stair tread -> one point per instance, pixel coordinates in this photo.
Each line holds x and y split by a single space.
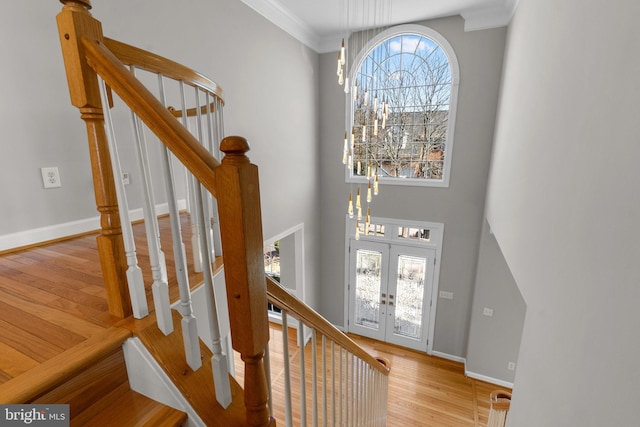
128 409
32 384
197 387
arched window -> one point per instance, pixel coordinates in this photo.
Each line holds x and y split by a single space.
403 103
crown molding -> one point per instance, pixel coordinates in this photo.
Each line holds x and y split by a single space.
287 21
483 19
272 10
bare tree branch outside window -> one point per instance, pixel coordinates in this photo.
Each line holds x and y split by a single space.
411 74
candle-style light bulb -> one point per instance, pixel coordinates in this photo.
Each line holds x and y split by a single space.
366 97
358 204
364 133
339 69
369 198
350 206
355 91
342 53
367 223
375 184
357 231
359 172
345 150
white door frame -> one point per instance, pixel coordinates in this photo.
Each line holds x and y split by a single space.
436 233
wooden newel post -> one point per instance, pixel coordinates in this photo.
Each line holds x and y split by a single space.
242 245
74 23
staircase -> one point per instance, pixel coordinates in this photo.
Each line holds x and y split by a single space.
341 385
92 378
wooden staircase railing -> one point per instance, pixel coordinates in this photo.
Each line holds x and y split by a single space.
348 386
96 65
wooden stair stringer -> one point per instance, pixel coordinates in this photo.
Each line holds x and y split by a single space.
196 386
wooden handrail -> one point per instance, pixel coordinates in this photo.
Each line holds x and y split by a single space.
191 112
157 118
131 55
284 300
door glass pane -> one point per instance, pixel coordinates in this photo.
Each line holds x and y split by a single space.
409 296
368 280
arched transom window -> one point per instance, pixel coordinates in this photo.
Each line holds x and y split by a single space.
403 108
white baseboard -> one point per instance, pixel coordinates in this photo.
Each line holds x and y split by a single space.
58 231
449 357
488 379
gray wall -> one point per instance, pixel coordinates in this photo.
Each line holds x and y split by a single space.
494 341
260 68
563 204
459 207
39 126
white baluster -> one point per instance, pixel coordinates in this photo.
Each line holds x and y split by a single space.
160 286
333 383
134 273
324 380
340 384
346 380
148 191
191 185
287 374
303 385
219 359
314 380
206 197
214 136
267 371
189 323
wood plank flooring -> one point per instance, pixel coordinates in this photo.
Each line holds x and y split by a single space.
423 390
52 298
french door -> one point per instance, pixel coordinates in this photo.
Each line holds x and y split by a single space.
390 288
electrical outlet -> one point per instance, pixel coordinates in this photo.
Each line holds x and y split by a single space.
446 295
488 312
126 178
50 177
511 366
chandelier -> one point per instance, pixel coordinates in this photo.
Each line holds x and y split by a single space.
360 21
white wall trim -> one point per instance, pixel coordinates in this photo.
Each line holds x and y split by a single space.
147 378
487 379
449 357
58 231
286 21
488 18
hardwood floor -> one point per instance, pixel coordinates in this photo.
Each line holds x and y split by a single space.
52 298
423 390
